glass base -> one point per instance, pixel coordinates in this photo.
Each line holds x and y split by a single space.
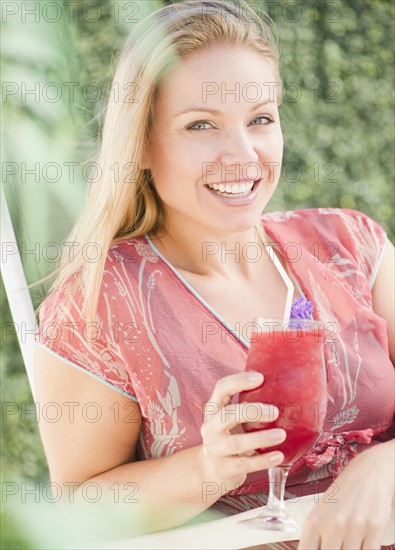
266 520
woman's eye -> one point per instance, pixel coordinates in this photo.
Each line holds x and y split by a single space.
200 125
262 120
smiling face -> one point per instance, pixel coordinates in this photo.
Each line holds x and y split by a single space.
216 144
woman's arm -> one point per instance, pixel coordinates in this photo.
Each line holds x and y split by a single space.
95 448
357 509
383 294
360 514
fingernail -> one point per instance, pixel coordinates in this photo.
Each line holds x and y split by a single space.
276 435
255 376
276 457
269 410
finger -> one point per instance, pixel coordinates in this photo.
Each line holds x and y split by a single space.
308 542
236 465
249 453
310 539
257 414
353 538
231 415
363 533
333 538
246 443
354 543
226 387
376 528
372 542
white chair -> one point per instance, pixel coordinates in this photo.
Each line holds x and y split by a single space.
19 299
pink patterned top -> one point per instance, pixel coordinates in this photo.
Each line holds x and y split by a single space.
158 342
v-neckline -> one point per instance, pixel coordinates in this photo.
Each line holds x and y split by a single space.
200 298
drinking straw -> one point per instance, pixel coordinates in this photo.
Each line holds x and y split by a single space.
284 275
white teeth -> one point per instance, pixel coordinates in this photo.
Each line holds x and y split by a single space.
234 189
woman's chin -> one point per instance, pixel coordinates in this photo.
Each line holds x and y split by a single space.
235 225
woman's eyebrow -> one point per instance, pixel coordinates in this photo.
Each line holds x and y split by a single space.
200 109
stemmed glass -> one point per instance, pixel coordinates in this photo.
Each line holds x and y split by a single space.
290 355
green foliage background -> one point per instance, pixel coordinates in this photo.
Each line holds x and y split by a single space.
337 118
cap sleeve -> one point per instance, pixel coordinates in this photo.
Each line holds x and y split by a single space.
368 239
99 354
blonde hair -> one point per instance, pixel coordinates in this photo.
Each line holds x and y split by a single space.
123 207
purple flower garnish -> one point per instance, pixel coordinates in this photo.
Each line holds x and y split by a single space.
301 309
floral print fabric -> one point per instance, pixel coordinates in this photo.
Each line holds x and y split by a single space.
158 342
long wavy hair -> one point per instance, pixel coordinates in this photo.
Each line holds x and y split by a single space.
123 203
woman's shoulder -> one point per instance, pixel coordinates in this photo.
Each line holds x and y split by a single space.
121 255
130 251
341 224
342 215
348 234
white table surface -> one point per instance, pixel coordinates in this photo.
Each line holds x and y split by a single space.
223 533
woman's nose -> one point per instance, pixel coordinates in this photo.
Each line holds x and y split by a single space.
238 150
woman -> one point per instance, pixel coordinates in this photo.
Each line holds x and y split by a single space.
190 158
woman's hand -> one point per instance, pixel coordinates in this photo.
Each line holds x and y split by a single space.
227 452
356 516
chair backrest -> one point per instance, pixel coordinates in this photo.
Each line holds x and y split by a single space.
19 298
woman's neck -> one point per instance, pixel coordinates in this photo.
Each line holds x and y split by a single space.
203 252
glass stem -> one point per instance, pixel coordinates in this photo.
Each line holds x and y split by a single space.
277 478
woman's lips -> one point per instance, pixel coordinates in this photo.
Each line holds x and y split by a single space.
239 199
